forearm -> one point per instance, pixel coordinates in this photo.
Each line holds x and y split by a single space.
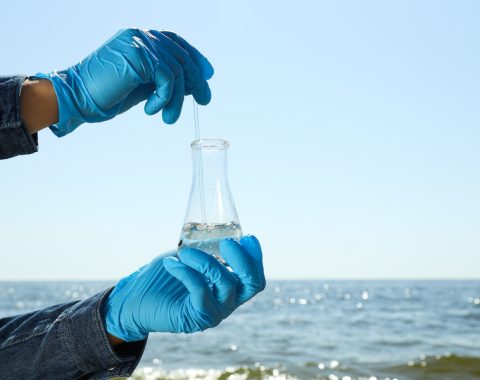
38 105
113 340
63 341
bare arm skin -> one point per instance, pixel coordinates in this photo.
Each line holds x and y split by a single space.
38 105
114 341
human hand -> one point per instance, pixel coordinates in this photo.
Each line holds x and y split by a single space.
173 294
132 66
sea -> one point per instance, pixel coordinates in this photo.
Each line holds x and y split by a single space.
332 330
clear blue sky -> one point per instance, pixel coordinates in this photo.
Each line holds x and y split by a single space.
354 131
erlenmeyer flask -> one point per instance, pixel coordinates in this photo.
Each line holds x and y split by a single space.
211 214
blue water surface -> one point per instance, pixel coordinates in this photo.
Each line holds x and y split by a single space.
311 330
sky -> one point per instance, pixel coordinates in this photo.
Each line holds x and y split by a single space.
353 128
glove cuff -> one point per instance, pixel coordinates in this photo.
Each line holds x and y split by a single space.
114 325
65 84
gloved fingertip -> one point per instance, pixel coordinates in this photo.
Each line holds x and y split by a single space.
154 104
175 268
149 110
204 65
252 246
207 70
185 254
170 258
231 251
249 239
228 243
203 95
170 116
171 262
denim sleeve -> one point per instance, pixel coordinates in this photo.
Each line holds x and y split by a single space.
66 341
14 137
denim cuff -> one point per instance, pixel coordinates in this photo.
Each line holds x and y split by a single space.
85 339
14 137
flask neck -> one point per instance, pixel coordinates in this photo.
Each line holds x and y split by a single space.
209 167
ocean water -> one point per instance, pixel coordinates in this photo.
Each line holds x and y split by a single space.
335 330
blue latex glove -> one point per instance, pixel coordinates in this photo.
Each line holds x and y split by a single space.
172 293
134 65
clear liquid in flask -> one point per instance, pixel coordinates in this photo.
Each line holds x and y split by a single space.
207 237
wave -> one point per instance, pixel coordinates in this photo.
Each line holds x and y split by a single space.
257 372
451 367
447 367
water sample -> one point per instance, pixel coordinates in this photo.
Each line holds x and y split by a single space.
207 237
211 214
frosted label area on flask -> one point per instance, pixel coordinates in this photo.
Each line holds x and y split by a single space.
207 237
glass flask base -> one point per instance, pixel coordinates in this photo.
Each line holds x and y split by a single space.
207 237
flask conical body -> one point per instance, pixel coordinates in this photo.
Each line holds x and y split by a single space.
211 214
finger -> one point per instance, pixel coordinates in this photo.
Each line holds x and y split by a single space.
224 283
248 270
164 79
202 94
200 294
195 83
252 246
200 60
173 109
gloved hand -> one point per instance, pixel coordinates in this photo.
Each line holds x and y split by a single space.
173 294
132 66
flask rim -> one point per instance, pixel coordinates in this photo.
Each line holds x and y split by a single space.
214 143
